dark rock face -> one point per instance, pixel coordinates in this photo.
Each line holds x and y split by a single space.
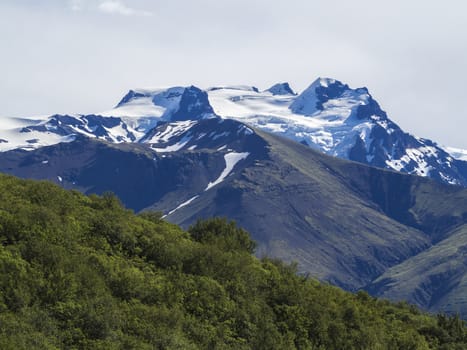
358 151
372 108
281 89
99 121
194 104
332 90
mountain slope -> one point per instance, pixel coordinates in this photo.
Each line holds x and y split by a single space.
290 202
342 222
434 280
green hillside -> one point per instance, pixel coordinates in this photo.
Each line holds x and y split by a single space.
81 272
434 279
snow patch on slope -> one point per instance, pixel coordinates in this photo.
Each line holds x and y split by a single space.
184 204
231 159
172 148
171 130
160 141
416 156
13 139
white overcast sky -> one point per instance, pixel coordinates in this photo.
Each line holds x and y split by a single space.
81 56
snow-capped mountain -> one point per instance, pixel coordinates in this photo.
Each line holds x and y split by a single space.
342 122
328 116
137 114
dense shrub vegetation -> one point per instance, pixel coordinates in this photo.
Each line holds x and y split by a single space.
81 272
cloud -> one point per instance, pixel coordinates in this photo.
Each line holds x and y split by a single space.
117 7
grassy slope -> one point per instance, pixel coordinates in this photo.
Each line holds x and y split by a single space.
82 272
435 279
414 201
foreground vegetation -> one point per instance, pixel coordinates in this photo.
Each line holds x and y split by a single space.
81 272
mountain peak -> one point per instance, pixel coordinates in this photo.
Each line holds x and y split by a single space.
325 82
193 105
322 90
131 94
281 89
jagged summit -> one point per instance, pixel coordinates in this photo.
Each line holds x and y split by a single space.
175 103
193 105
281 89
313 98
